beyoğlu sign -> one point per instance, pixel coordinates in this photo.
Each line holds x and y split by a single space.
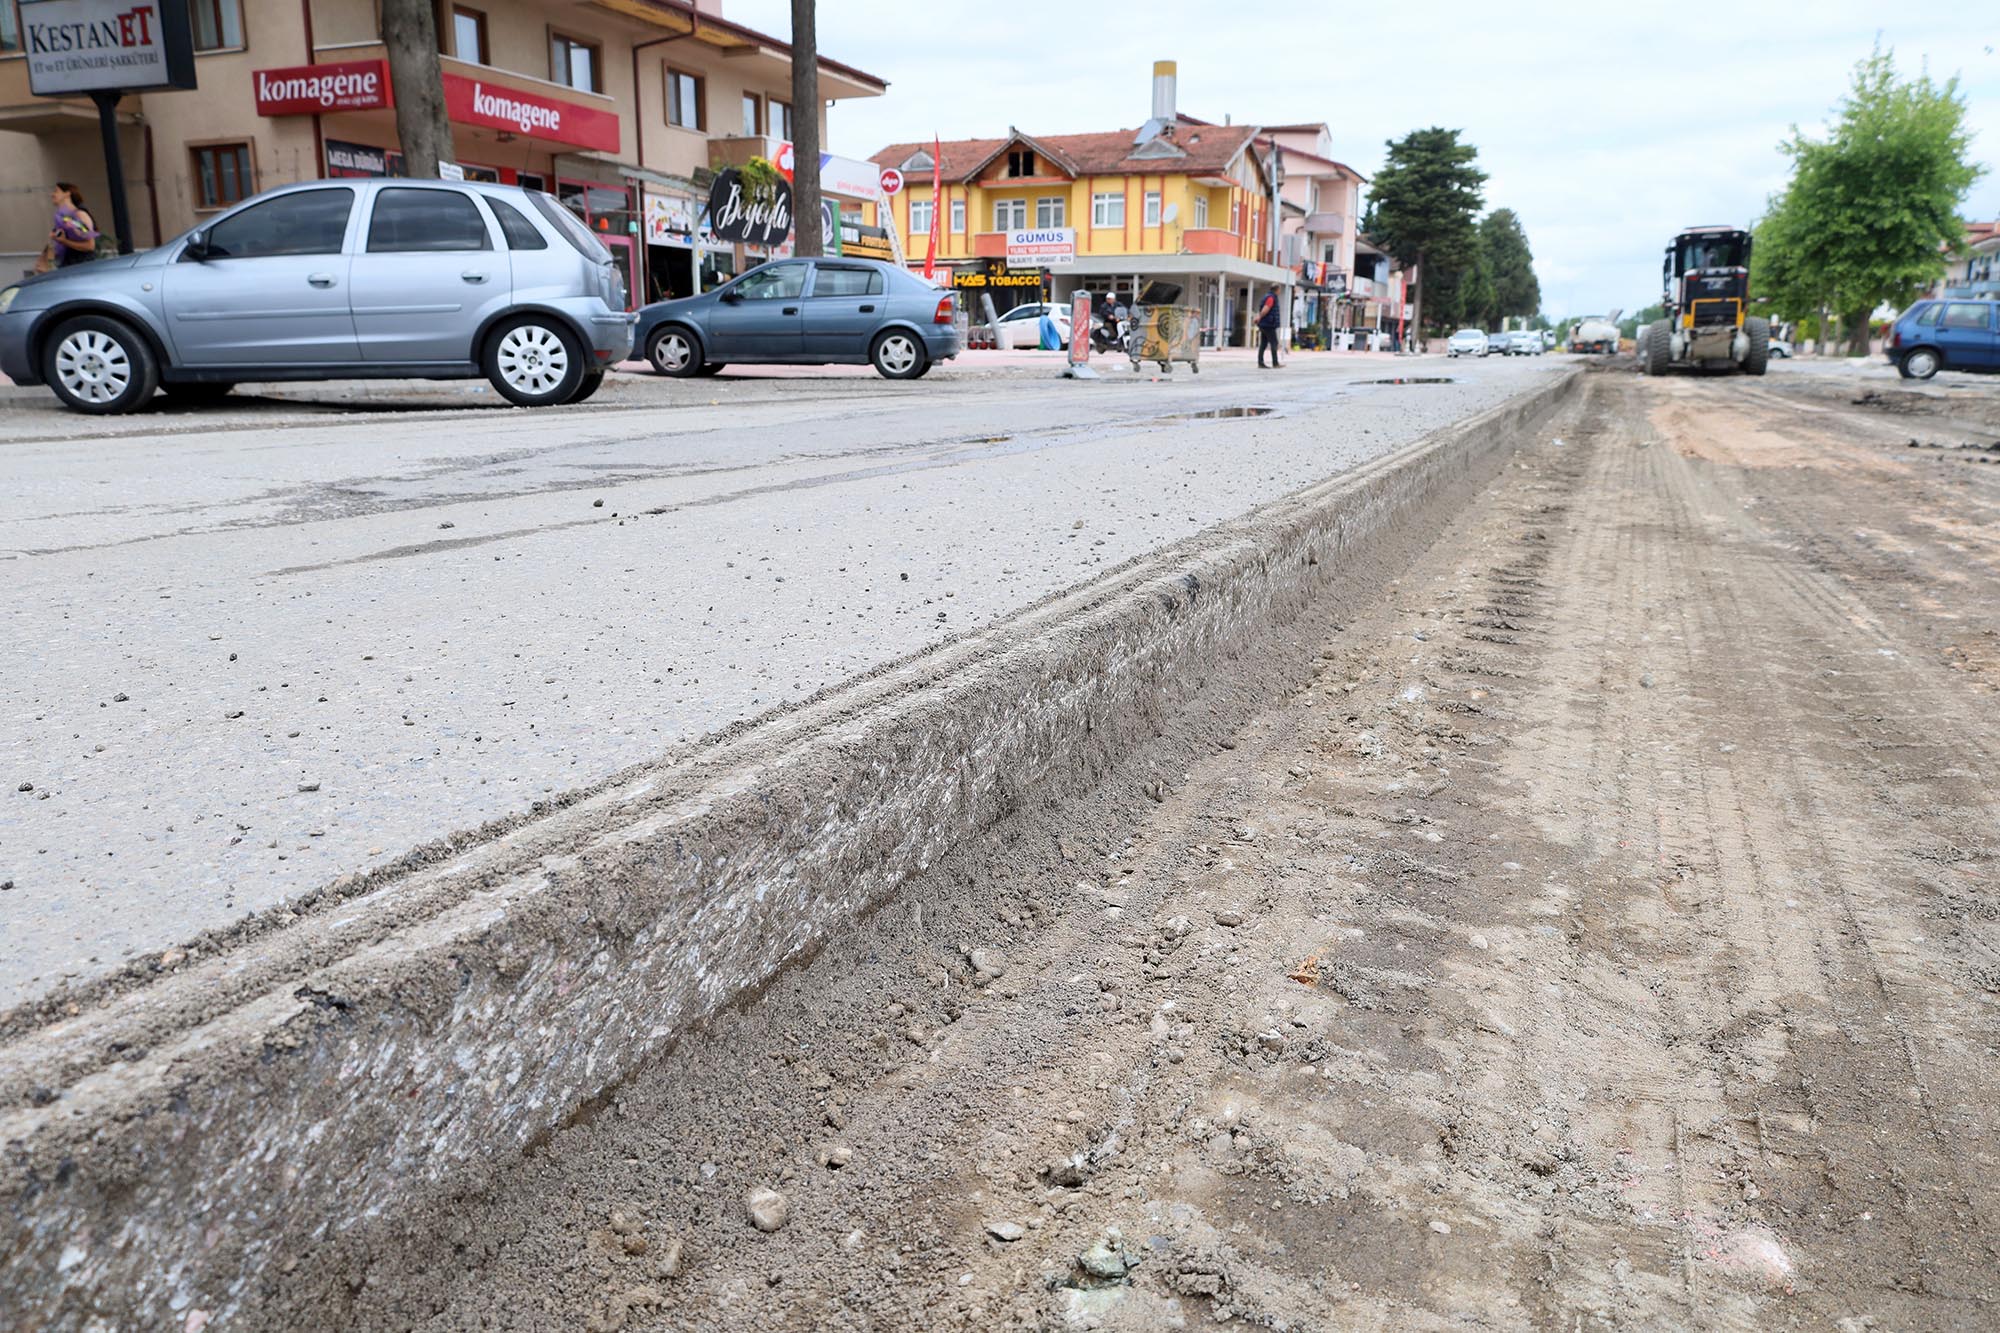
493 107
357 85
83 46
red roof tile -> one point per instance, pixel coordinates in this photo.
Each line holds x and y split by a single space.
1208 148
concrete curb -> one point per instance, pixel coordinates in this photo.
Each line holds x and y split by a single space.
162 1147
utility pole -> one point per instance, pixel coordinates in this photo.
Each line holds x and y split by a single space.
409 34
805 130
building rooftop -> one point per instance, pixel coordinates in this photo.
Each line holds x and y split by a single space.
1202 148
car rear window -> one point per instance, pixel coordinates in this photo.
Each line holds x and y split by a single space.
514 225
1929 314
409 219
840 281
571 227
1967 315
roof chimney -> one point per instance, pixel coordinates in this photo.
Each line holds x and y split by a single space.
1164 115
1164 72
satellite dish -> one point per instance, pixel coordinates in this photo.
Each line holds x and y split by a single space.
1173 212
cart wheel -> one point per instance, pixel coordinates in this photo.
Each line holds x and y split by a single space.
1194 367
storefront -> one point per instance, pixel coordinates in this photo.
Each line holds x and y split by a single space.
1008 287
501 133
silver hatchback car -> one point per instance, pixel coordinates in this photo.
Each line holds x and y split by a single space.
396 279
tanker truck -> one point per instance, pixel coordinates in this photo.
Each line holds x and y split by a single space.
1597 334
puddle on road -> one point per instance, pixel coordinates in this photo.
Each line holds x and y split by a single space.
1216 414
1413 379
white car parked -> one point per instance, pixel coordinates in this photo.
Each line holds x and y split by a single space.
1466 342
1022 326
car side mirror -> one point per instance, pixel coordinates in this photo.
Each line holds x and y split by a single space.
731 298
197 247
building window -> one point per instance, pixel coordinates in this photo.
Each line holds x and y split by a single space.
686 96
468 35
217 24
1051 211
1201 210
920 217
1010 214
1020 162
781 119
1107 210
528 180
958 216
753 116
574 63
1152 208
222 174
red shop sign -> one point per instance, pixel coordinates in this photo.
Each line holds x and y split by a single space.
357 85
493 107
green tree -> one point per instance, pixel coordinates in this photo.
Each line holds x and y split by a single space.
1631 324
1421 209
1510 266
1871 210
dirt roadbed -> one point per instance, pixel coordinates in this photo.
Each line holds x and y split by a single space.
1606 936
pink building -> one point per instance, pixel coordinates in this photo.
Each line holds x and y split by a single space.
1345 283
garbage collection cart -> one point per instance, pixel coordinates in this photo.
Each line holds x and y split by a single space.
1164 330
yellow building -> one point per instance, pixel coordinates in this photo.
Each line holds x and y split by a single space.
1178 200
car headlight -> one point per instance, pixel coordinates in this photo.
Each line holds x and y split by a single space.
7 297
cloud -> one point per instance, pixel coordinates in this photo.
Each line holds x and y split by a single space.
1605 127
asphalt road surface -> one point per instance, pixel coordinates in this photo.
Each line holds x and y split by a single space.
251 649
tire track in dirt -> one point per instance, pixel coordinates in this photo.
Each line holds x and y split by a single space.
1596 941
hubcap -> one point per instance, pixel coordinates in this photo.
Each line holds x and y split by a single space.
672 352
1923 363
898 354
93 366
532 359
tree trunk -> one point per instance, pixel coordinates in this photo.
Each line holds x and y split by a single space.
1857 333
409 33
1416 332
806 110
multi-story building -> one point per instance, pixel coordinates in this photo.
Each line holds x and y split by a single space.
1974 265
1179 200
1322 198
613 105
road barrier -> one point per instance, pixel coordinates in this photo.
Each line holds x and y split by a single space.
166 1143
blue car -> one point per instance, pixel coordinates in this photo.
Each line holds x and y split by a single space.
826 311
1946 335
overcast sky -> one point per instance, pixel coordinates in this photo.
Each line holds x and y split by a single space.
1606 126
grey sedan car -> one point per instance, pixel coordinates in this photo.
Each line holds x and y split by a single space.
806 312
333 280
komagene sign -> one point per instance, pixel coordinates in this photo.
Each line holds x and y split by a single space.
495 107
357 85
85 46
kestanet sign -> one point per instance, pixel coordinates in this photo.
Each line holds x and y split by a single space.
87 46
356 85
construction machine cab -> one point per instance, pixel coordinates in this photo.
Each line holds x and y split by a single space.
1708 324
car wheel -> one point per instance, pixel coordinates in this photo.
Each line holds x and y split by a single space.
534 361
1922 364
100 365
899 355
196 391
589 385
674 351
711 368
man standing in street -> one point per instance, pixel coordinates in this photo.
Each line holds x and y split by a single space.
1267 328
